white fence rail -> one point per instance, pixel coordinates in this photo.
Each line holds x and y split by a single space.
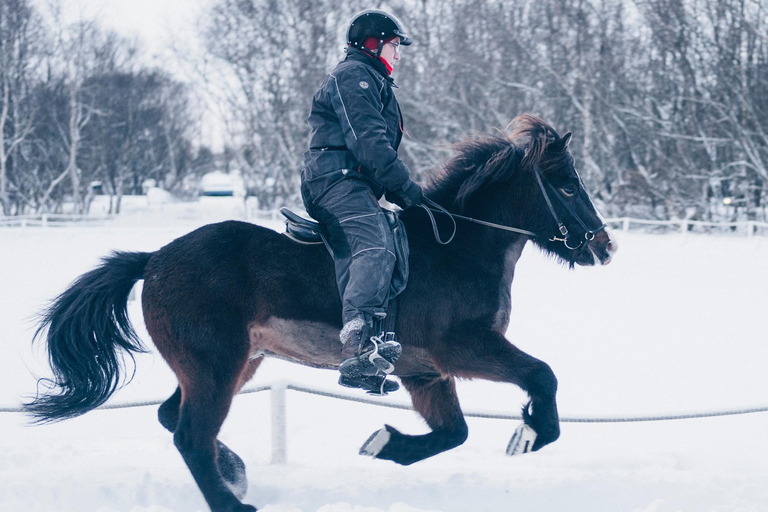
51 220
748 228
279 419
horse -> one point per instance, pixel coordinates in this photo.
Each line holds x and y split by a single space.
220 299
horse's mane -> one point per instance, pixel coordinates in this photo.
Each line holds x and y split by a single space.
494 158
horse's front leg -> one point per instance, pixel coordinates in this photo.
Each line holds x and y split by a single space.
474 352
434 397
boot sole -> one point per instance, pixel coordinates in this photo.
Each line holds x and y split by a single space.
390 386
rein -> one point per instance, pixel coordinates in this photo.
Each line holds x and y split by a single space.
430 206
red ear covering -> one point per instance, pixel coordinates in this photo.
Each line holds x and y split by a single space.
372 44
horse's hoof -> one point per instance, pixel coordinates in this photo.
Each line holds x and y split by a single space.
378 440
522 440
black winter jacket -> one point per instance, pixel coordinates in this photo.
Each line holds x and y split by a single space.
356 127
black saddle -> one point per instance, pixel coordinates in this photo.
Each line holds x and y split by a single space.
304 231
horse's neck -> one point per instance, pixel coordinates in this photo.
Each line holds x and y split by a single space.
482 242
491 248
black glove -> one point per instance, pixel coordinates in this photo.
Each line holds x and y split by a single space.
410 197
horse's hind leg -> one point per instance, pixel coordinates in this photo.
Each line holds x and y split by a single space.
195 412
168 413
435 399
231 466
489 355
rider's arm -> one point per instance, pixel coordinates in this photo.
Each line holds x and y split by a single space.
359 108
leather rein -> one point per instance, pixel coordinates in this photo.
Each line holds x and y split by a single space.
430 206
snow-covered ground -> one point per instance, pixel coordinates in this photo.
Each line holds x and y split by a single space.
675 324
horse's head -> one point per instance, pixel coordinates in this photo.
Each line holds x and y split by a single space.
563 216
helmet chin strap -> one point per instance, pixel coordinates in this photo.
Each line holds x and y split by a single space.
371 52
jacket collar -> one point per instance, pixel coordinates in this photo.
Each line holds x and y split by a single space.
360 56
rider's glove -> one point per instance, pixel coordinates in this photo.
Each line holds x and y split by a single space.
410 197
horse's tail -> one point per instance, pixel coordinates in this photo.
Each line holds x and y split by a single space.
88 335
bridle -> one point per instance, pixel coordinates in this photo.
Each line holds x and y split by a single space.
589 234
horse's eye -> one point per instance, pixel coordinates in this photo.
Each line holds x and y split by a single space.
568 190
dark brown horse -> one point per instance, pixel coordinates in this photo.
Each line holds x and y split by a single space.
218 300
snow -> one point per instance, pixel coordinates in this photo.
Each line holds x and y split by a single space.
675 324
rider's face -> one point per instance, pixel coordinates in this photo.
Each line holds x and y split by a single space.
391 51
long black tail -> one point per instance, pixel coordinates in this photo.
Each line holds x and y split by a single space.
88 335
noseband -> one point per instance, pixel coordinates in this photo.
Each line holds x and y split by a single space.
429 206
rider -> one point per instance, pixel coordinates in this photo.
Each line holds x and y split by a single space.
352 162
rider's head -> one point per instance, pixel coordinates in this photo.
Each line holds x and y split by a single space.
377 33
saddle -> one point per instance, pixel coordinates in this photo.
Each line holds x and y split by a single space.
303 231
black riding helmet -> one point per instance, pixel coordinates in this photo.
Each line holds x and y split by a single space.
375 23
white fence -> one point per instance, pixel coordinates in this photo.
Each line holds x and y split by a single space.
52 219
278 391
278 406
748 228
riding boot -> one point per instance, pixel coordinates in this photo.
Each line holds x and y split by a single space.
363 360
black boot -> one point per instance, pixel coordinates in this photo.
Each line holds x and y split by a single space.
364 359
374 357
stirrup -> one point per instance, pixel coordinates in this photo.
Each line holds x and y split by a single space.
377 385
377 359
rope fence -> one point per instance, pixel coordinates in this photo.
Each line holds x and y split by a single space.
467 413
279 441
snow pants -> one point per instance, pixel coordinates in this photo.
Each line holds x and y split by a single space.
361 241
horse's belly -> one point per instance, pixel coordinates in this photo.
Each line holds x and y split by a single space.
311 343
317 345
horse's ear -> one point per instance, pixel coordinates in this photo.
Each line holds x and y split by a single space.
560 144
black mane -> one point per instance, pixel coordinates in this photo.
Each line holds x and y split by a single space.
494 159
477 163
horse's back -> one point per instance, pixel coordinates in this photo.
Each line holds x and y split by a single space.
236 277
229 261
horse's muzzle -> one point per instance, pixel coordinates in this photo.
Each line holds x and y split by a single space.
603 247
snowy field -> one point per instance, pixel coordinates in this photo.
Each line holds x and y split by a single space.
675 324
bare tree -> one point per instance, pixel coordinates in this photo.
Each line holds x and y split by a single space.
20 33
266 61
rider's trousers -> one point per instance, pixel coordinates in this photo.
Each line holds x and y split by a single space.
362 244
